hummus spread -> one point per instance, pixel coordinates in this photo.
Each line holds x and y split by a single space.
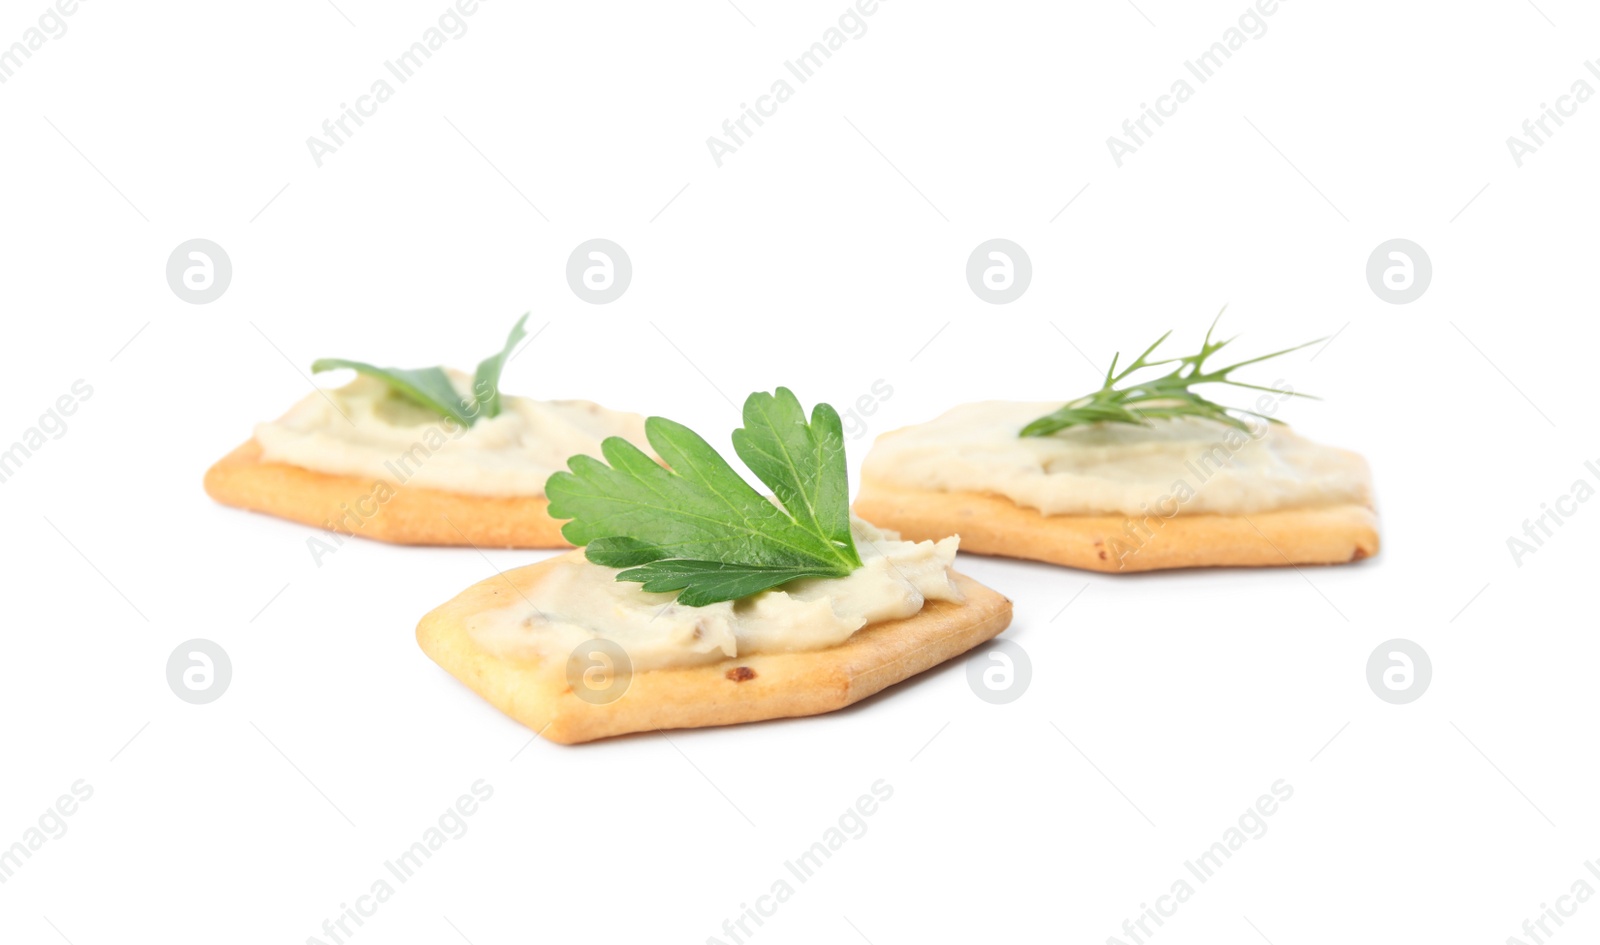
366 431
575 602
1118 469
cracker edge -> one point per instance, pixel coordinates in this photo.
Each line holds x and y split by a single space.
994 525
412 516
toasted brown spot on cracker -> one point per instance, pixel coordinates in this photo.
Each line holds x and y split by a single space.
740 673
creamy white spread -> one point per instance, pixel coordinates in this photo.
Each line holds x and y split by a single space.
575 602
1110 469
366 431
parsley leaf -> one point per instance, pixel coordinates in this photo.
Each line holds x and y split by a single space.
431 387
698 527
486 382
428 387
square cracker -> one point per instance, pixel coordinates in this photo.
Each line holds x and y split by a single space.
410 515
994 525
742 689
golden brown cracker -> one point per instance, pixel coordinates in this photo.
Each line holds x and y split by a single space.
743 689
994 525
379 509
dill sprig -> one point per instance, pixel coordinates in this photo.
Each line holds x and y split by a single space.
1167 396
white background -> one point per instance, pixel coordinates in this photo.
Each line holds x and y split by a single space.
809 260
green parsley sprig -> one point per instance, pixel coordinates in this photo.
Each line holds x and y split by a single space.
695 526
431 388
1167 396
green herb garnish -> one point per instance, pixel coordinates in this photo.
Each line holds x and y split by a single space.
486 380
698 527
431 387
1163 397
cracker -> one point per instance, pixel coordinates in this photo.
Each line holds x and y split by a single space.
408 515
994 525
742 689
